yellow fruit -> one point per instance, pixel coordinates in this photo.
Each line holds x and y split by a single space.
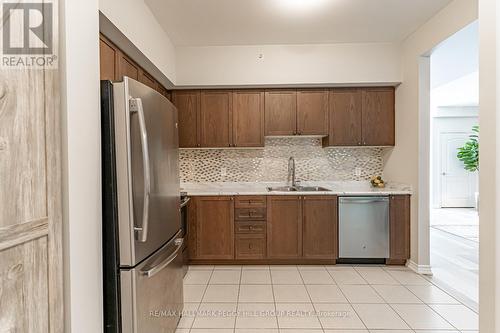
381 185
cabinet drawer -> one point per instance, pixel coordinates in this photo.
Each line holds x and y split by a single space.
250 246
250 201
249 214
250 227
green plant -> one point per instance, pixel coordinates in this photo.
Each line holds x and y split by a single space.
469 153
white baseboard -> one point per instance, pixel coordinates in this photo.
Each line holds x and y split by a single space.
420 269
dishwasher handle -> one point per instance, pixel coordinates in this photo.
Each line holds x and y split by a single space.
363 200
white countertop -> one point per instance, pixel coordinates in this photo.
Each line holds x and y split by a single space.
336 188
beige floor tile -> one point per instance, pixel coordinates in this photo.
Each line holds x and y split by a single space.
256 315
297 316
339 267
439 331
227 267
221 294
432 295
350 331
225 277
311 268
188 315
283 267
193 293
201 267
211 330
361 294
347 276
215 315
290 294
338 316
325 294
256 293
182 330
254 267
256 330
409 278
421 316
291 330
391 331
316 277
379 316
396 294
459 316
286 277
376 275
197 277
255 277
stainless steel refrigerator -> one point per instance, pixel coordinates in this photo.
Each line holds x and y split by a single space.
142 238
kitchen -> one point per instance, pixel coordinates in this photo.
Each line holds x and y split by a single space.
244 167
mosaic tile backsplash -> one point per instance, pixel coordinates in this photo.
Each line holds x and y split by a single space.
269 164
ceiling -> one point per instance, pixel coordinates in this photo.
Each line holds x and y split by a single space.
254 22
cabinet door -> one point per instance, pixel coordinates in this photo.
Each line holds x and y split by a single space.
108 58
378 117
320 227
126 67
188 107
312 112
281 112
399 228
147 79
284 227
248 118
162 90
345 117
214 228
215 119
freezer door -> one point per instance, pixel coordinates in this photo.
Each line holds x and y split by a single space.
151 293
364 227
147 170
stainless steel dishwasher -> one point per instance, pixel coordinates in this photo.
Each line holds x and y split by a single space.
363 228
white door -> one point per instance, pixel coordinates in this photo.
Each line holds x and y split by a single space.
457 184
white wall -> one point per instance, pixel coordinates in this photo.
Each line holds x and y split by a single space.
456 57
402 163
135 20
489 178
81 160
288 64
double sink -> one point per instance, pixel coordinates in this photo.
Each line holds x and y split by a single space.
298 188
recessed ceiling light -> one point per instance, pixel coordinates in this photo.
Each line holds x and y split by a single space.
300 5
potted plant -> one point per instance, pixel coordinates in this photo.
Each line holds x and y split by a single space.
469 155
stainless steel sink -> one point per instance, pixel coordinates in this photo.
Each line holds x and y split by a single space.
297 189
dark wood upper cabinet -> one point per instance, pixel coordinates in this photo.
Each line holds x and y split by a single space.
399 229
284 227
378 117
214 227
248 118
108 57
312 112
126 67
319 227
345 117
216 118
281 112
188 108
147 79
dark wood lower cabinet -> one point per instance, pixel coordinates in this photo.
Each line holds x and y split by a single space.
214 227
399 229
284 227
320 227
280 229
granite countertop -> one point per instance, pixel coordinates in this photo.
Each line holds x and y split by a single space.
335 187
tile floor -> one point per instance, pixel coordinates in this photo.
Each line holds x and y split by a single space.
314 299
455 252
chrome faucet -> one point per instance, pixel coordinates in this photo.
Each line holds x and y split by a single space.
291 171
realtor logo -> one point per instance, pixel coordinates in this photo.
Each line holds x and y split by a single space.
28 34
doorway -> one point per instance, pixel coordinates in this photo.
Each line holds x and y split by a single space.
454 221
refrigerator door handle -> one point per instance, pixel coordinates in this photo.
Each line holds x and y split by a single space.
135 105
151 271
